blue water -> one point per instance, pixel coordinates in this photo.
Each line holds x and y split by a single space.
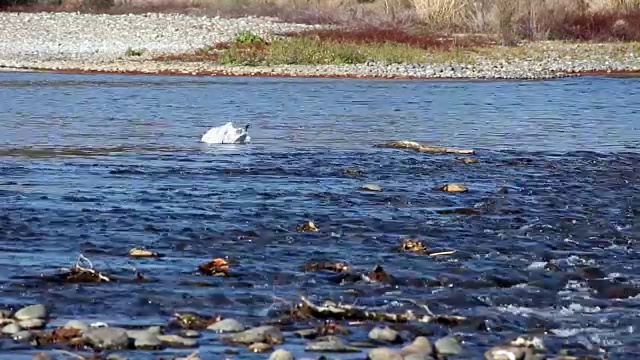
97 164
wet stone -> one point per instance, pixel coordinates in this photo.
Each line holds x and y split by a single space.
420 346
106 338
453 188
177 341
75 324
260 347
11 329
5 313
267 334
330 344
227 325
281 354
145 340
384 334
505 352
448 345
307 333
37 311
371 187
32 324
383 353
116 357
467 160
190 333
23 335
42 356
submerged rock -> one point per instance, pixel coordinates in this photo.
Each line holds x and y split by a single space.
506 352
281 354
32 324
145 339
42 356
267 334
11 329
330 344
371 187
23 335
75 324
384 334
448 345
260 347
453 188
106 338
140 253
226 325
190 333
178 341
467 160
383 353
307 227
420 346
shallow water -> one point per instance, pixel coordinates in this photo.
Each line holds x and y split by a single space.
99 164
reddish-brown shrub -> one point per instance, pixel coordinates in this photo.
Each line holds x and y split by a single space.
369 35
599 26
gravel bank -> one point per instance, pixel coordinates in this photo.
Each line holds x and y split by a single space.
85 42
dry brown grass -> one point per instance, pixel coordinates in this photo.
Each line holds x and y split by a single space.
510 20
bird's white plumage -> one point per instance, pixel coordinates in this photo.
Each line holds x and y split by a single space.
226 134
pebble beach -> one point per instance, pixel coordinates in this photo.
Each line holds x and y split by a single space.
99 43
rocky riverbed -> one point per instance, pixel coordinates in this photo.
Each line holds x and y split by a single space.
87 42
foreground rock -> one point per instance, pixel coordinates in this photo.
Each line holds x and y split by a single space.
330 344
281 354
384 334
106 338
265 334
420 348
37 311
226 325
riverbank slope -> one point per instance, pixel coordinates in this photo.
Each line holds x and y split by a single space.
204 45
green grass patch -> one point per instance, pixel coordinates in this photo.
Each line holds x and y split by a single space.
335 47
134 52
307 51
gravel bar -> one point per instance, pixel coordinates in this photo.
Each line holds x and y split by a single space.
77 42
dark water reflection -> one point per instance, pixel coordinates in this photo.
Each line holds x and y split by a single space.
100 164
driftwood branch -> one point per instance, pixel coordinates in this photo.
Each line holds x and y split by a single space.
414 145
86 273
331 310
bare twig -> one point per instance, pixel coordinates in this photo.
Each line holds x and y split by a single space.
448 252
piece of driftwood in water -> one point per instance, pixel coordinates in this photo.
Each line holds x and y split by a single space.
414 145
439 319
80 274
331 310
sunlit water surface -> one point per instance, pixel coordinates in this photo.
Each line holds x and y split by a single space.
100 164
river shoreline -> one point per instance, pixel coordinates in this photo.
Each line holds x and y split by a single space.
86 43
253 73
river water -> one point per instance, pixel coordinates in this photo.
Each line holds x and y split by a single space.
97 164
